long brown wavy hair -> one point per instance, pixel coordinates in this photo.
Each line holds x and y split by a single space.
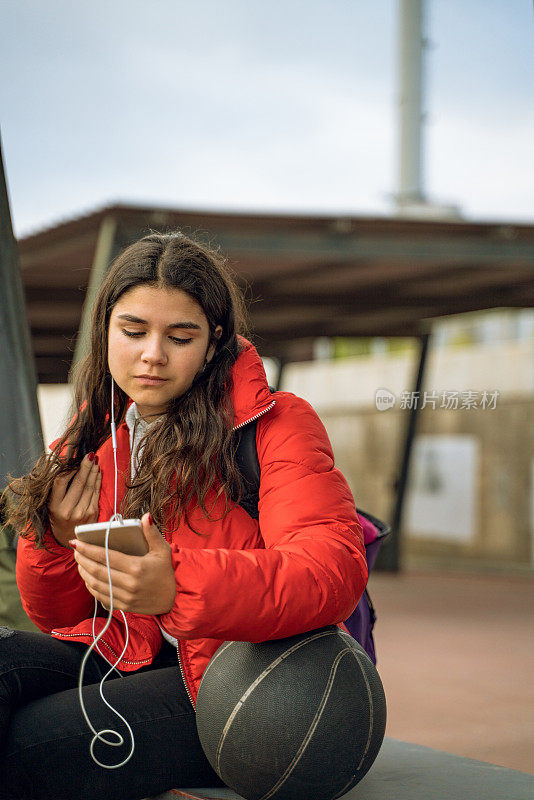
190 449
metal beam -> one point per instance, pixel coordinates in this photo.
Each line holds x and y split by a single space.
104 253
389 557
434 298
21 438
436 247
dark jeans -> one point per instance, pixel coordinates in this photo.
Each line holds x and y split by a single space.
45 739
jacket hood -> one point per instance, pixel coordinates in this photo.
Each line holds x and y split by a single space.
251 395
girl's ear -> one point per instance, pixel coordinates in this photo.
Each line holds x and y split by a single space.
211 350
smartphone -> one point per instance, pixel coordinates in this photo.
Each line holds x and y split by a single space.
126 536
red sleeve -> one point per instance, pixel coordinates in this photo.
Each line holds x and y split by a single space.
312 571
52 592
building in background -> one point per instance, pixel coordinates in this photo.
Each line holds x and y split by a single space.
345 308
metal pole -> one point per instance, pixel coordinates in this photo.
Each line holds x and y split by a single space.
282 361
21 437
410 67
389 557
104 253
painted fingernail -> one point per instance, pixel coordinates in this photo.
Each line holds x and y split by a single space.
90 456
96 459
73 543
150 520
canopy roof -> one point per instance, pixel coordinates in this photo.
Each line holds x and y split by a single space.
308 276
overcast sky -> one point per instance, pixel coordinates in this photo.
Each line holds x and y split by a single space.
285 105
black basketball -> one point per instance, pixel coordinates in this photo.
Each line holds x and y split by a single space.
302 717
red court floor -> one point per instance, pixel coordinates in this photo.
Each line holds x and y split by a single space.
456 657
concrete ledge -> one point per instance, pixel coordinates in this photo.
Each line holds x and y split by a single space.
404 771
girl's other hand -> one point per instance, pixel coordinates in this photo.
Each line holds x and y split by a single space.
77 503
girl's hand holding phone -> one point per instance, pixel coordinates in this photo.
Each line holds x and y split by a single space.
141 584
75 503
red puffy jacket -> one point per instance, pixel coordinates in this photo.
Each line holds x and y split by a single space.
300 566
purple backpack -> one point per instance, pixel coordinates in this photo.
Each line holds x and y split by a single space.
361 622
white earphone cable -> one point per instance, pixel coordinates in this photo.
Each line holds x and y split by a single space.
99 734
114 443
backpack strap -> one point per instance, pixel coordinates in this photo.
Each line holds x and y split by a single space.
246 456
247 461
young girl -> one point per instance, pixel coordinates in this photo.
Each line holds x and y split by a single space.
166 328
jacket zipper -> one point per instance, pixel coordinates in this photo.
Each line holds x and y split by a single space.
256 416
101 641
183 674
